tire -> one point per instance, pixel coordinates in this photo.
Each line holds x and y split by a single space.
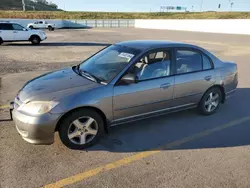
35 40
210 101
1 41
50 28
31 27
88 135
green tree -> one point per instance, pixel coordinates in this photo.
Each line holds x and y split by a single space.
42 2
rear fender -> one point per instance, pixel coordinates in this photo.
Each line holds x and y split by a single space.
229 76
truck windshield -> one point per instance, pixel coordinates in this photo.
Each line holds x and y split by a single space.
106 64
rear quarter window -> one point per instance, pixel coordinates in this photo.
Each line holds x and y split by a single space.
207 64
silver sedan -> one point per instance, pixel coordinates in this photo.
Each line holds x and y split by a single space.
124 82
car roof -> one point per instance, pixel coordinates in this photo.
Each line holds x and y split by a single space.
148 44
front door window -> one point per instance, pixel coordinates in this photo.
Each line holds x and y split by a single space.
153 65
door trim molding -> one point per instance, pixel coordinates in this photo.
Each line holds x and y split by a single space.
134 106
151 114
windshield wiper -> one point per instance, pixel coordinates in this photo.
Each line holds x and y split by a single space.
84 73
87 74
76 69
93 77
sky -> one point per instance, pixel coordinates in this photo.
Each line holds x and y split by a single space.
150 5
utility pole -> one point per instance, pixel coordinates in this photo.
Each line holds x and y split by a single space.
23 3
201 5
231 4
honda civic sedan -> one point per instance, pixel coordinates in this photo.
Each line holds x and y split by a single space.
122 83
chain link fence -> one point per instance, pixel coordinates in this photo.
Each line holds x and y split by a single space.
114 23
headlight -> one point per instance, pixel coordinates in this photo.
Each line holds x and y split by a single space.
37 107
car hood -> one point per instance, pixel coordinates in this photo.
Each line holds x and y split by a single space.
52 82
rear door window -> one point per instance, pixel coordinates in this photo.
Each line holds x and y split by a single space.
188 61
6 27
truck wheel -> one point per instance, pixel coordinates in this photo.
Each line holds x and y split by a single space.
35 40
51 28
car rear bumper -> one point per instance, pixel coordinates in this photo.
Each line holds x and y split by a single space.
36 129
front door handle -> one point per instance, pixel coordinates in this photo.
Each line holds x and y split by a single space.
208 78
165 86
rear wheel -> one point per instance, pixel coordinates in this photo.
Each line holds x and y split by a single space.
210 102
1 41
35 40
81 129
50 28
31 27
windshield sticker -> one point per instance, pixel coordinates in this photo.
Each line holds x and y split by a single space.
126 55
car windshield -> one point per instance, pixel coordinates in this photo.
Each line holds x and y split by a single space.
106 64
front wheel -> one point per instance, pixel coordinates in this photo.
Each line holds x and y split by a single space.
35 40
81 129
210 102
1 41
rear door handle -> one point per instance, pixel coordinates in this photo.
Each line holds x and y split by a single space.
14 31
208 78
165 86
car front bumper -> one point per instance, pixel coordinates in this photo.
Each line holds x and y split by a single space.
36 129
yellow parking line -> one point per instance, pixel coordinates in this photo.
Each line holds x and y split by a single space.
141 155
4 106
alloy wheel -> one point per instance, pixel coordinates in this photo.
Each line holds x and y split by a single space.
83 130
212 101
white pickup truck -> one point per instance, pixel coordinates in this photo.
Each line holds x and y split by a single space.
12 32
41 24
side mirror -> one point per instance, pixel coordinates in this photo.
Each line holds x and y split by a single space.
128 79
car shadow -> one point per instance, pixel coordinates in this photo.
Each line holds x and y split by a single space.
186 130
59 44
